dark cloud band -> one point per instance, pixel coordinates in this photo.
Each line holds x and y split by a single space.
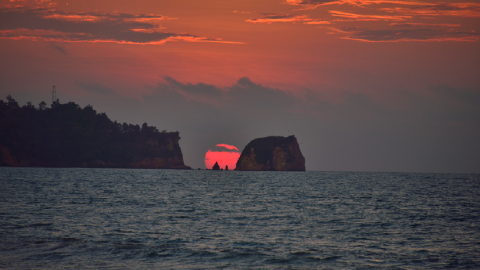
49 24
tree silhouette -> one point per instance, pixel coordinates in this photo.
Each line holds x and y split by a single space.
65 135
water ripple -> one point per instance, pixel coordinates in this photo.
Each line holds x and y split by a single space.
137 219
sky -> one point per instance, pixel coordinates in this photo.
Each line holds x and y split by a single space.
364 85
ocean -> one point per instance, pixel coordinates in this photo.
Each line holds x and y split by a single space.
167 219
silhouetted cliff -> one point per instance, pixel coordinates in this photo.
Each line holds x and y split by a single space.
273 153
66 135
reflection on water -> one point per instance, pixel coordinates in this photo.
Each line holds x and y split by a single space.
116 218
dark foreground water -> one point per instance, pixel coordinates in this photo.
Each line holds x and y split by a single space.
124 219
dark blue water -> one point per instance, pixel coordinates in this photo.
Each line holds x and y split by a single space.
115 218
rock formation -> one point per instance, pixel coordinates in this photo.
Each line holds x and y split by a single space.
216 167
273 153
161 151
66 135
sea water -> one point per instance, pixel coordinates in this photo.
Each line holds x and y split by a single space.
168 219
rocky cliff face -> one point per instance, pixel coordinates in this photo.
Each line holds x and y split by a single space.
157 151
273 153
161 153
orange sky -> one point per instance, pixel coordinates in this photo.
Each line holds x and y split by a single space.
100 51
286 44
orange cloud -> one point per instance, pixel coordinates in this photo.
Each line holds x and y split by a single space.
75 17
230 147
152 30
270 17
407 12
425 24
409 34
31 3
361 17
313 4
51 25
407 7
317 22
49 35
439 39
37 34
194 39
467 10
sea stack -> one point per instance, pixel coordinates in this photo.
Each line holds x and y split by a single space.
216 167
274 153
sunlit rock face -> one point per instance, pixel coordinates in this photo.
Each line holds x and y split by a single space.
274 153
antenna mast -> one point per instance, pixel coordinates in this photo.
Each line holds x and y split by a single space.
54 94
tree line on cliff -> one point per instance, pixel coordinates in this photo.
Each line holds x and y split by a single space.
66 135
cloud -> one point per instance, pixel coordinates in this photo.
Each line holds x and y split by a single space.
317 22
199 92
312 4
409 7
59 48
361 17
432 130
462 98
228 147
425 24
244 92
39 23
408 19
408 34
466 10
272 17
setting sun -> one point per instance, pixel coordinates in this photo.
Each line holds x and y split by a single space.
224 154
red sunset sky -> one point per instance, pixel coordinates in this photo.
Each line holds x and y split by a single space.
363 84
